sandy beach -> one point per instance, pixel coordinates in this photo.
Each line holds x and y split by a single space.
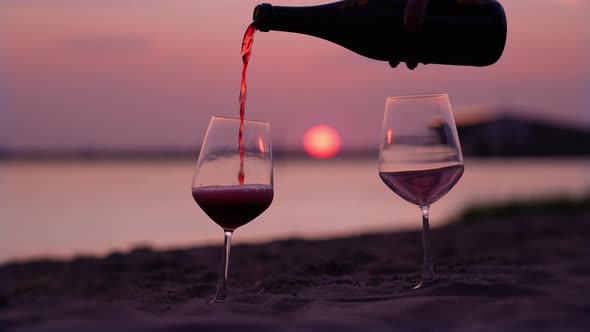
527 273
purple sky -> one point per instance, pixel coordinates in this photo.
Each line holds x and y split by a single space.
150 73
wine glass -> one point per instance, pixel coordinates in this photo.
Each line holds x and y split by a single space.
231 184
420 157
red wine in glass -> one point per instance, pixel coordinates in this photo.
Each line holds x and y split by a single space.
247 43
423 187
233 206
229 201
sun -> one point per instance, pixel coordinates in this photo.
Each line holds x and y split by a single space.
321 141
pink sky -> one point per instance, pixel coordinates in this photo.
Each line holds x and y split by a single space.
150 73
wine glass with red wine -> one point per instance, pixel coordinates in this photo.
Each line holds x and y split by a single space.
233 181
420 157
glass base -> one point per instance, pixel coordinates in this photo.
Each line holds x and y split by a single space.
221 294
425 283
218 300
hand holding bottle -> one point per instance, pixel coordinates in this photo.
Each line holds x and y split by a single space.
413 17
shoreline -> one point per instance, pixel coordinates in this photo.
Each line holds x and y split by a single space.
552 205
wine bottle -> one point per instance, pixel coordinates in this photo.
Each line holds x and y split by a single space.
454 32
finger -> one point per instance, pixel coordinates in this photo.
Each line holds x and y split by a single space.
411 64
414 14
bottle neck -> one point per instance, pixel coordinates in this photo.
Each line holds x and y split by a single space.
296 19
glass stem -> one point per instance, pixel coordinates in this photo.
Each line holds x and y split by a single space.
428 268
221 295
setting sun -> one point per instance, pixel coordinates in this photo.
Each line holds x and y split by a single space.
321 142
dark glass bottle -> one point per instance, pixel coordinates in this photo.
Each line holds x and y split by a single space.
454 32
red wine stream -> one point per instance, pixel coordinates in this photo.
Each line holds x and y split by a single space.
246 52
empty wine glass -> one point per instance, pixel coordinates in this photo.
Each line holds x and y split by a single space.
233 186
420 157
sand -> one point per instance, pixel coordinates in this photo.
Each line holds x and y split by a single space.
513 274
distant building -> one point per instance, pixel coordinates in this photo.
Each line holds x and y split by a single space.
511 135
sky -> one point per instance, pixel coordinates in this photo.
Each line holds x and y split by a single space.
149 74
